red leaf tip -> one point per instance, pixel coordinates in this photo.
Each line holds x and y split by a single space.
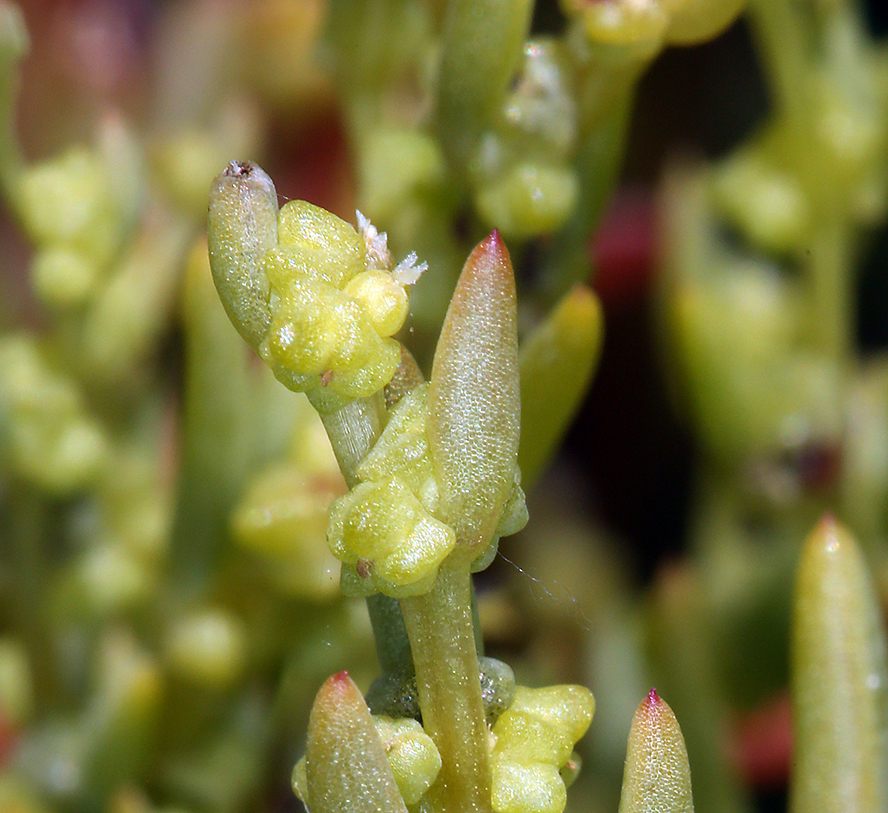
493 244
653 698
341 678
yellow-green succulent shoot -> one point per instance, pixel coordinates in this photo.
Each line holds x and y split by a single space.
389 525
50 437
318 299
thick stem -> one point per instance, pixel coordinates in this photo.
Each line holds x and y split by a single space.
392 642
442 638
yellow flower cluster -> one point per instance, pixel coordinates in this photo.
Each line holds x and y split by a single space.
318 299
333 310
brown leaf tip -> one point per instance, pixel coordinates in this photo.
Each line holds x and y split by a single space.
240 169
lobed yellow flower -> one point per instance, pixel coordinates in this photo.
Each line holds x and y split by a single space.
534 740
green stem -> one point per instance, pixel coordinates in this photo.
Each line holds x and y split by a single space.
442 638
353 430
480 50
831 295
390 635
780 31
598 165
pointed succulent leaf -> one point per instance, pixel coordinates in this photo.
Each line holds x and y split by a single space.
243 225
838 680
557 363
474 399
345 762
657 777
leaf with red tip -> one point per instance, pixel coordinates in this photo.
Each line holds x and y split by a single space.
657 778
346 766
474 397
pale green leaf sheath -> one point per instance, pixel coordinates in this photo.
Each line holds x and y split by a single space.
838 680
657 778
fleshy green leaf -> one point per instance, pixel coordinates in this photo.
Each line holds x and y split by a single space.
474 399
839 680
557 362
657 778
242 225
346 766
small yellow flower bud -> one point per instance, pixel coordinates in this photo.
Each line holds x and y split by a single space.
529 200
328 247
383 299
520 788
622 23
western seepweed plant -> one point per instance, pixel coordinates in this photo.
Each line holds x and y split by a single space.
135 674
